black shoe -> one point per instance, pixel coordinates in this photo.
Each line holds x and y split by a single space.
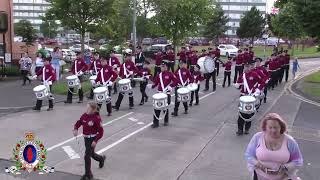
116 108
174 113
265 100
146 99
141 103
154 126
223 86
186 112
190 104
87 177
196 104
35 109
239 133
166 124
206 90
80 101
89 97
67 102
101 163
115 92
49 109
109 114
246 132
130 107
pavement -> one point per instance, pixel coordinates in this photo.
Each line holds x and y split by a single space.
200 145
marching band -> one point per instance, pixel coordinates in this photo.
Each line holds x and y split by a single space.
251 77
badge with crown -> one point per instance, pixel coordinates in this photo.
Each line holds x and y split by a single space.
29 155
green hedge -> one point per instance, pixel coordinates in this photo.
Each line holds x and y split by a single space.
10 71
62 89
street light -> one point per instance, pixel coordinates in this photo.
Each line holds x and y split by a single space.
265 36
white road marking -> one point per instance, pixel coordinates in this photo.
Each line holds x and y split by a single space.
133 119
140 123
80 135
70 152
123 139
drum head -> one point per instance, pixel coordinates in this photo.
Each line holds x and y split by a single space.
100 90
93 77
247 99
124 81
193 87
159 96
71 77
183 91
209 65
39 88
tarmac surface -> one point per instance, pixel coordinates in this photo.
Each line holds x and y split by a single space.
201 145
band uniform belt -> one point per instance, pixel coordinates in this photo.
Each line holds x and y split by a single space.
89 136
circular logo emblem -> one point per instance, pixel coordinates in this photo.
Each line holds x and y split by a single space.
100 97
30 154
39 95
125 88
185 97
248 107
159 104
70 83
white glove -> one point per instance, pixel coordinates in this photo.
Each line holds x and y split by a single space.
114 66
149 86
93 82
49 83
130 72
257 92
34 77
109 83
169 88
91 71
80 73
236 85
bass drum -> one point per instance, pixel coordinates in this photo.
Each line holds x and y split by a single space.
206 64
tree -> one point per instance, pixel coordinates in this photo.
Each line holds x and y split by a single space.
216 25
81 15
286 24
177 18
251 24
24 29
49 26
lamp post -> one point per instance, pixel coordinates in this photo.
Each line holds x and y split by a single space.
134 25
265 37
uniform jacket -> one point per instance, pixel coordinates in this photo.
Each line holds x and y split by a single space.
239 60
114 61
168 79
158 57
49 73
197 77
217 52
170 56
91 125
107 73
227 66
287 59
78 65
185 78
254 82
182 56
145 73
129 66
194 59
95 66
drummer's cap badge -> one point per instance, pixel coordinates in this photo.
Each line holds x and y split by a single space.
29 155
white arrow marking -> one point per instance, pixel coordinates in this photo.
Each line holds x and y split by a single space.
133 119
70 152
140 123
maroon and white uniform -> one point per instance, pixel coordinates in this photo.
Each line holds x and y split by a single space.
91 126
127 69
227 66
114 62
164 80
182 56
158 57
170 56
183 77
47 73
95 66
78 66
145 73
250 83
106 75
197 77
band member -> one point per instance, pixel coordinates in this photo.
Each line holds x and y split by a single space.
171 57
238 70
189 56
282 62
48 76
106 77
197 78
127 71
183 78
286 64
139 60
144 73
78 68
227 71
212 75
94 68
264 74
251 54
272 68
246 56
217 61
278 69
158 57
246 82
193 61
115 64
92 133
182 54
165 81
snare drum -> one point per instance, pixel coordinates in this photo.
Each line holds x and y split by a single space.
41 91
93 80
247 104
160 101
124 85
101 94
73 81
183 94
192 86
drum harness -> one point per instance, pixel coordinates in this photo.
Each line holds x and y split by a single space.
104 83
164 90
183 84
78 74
246 86
125 71
46 83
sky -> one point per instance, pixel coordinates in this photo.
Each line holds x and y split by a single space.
270 5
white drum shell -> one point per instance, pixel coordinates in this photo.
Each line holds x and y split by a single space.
247 104
93 80
160 101
41 91
183 94
206 64
73 81
124 85
192 86
101 94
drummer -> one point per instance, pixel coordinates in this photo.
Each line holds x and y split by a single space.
227 71
94 68
165 81
106 77
48 76
183 78
145 74
198 77
78 69
115 64
127 71
262 72
212 75
251 78
193 60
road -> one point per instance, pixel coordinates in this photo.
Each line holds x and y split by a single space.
199 145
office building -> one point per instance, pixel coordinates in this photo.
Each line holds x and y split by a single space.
235 9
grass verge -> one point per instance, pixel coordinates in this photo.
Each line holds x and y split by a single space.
62 89
313 78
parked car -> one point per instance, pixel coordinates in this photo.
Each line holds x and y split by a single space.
228 50
149 52
68 55
77 48
259 42
104 47
147 41
160 40
273 41
50 41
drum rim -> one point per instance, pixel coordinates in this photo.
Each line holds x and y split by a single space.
165 96
43 88
242 99
124 81
187 90
69 77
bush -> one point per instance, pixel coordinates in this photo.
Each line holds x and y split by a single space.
318 48
10 71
